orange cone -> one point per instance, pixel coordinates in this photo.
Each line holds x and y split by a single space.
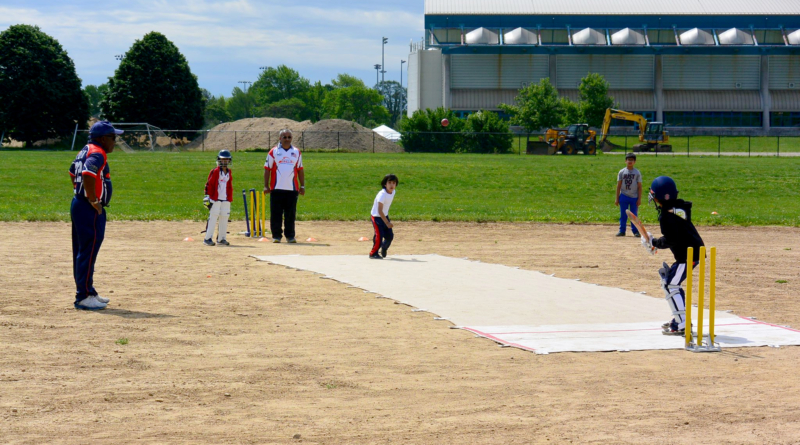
188 238
363 238
714 213
263 240
311 240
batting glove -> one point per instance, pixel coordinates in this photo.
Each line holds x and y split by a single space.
207 202
647 243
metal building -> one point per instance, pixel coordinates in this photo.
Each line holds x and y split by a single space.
691 63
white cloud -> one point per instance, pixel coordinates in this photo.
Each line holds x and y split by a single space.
218 35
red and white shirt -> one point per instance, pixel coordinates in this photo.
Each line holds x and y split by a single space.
284 166
219 186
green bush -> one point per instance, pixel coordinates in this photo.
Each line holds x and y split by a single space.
486 132
423 131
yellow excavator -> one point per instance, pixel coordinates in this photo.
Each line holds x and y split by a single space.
651 134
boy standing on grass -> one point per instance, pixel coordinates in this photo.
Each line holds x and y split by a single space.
629 193
380 217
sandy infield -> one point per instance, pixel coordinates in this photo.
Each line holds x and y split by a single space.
225 349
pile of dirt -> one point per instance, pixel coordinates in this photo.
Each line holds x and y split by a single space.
332 134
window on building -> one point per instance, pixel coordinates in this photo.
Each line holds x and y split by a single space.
784 119
713 119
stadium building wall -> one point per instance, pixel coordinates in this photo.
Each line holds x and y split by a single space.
683 76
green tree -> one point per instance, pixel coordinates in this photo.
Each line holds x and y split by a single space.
594 99
293 108
216 112
95 95
40 92
537 107
346 80
423 131
394 99
356 103
570 112
154 84
279 83
314 100
241 104
486 132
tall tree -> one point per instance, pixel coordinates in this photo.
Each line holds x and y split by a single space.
216 112
537 107
357 103
95 95
40 92
279 83
394 99
314 99
241 104
594 99
154 84
346 80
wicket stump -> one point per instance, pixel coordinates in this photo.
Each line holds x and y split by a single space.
710 345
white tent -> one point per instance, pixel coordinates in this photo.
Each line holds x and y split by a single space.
520 36
627 36
588 36
794 38
696 36
482 36
388 133
735 36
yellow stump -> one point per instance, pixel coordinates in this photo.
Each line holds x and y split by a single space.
259 204
264 213
701 295
252 213
712 284
688 303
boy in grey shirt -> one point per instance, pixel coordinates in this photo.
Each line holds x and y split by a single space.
629 193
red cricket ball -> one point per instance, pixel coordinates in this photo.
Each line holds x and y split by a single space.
445 122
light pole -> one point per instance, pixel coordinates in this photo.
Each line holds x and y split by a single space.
401 72
377 72
383 61
245 83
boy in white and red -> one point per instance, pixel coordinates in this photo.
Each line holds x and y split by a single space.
219 195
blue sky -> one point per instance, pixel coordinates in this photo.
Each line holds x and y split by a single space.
227 41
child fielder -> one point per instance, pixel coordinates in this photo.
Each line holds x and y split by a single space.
675 218
629 193
219 194
380 218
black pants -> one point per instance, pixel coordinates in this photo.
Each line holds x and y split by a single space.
282 204
383 235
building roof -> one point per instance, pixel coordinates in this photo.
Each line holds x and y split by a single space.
612 7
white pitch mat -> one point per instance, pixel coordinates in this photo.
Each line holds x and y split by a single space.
527 309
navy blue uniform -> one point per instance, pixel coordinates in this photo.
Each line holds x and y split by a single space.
88 227
679 234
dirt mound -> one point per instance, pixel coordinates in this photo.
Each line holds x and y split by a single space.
332 134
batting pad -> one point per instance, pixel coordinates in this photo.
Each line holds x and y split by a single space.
528 309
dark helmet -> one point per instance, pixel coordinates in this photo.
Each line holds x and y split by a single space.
224 158
663 189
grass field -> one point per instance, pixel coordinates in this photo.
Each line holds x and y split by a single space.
681 145
433 187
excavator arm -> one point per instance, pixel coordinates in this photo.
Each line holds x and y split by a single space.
622 115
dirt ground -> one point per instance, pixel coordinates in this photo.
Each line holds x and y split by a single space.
224 349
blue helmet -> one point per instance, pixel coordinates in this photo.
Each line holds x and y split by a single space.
663 189
224 158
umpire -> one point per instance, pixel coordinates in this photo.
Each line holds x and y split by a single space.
284 180
91 181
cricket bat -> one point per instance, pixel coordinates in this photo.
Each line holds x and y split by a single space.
638 223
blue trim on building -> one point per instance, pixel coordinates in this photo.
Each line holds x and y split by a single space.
609 49
612 21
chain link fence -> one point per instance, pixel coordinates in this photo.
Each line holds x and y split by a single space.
516 143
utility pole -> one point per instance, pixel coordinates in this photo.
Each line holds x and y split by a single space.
383 61
245 83
377 73
401 72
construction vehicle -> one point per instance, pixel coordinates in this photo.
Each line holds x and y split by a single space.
568 141
651 134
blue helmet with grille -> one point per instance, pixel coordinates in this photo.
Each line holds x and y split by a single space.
663 189
224 158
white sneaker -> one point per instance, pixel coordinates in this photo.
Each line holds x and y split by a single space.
90 304
103 300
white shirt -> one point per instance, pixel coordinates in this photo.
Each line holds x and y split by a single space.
283 166
384 197
222 185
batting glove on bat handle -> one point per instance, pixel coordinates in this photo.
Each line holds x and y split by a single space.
207 202
647 243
